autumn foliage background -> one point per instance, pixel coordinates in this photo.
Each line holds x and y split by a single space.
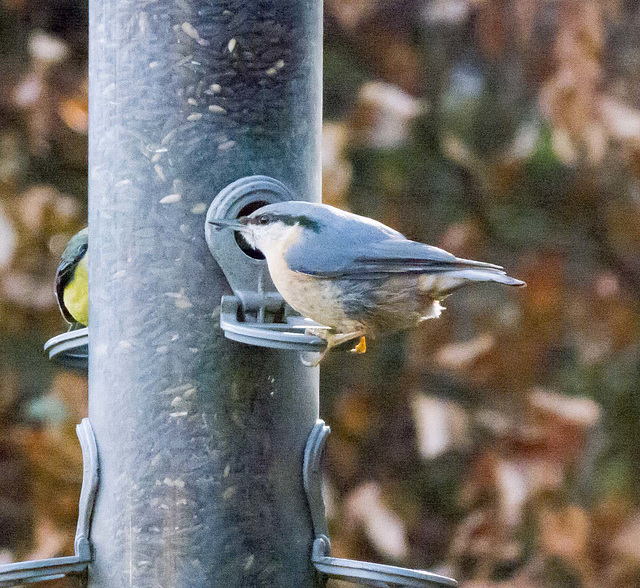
499 444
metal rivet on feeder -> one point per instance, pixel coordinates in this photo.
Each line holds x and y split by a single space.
256 314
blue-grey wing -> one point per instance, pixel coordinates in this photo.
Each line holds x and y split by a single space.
341 239
346 257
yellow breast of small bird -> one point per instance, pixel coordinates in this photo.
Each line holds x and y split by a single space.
76 294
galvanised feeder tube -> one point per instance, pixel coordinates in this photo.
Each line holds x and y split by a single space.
200 439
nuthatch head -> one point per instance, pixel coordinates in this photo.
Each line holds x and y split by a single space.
353 274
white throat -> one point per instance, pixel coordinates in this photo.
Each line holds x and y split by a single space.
273 239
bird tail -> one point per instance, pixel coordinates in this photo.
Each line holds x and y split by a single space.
443 283
487 275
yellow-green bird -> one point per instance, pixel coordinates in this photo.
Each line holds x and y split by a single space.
72 281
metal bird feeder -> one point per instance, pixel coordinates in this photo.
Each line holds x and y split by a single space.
209 449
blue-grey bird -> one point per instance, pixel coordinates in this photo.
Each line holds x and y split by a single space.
354 274
72 280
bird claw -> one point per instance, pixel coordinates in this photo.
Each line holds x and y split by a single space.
361 347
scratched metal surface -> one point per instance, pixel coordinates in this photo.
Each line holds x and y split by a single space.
200 438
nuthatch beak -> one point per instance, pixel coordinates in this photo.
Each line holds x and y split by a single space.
225 223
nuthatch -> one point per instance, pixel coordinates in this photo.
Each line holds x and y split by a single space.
354 274
72 280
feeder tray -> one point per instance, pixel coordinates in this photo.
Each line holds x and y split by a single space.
70 349
349 570
43 570
289 334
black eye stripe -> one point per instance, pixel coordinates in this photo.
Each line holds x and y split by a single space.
286 219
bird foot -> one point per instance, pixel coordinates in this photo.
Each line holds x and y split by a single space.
361 347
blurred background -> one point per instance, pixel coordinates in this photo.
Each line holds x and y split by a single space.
499 444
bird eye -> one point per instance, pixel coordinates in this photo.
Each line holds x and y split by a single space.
263 220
